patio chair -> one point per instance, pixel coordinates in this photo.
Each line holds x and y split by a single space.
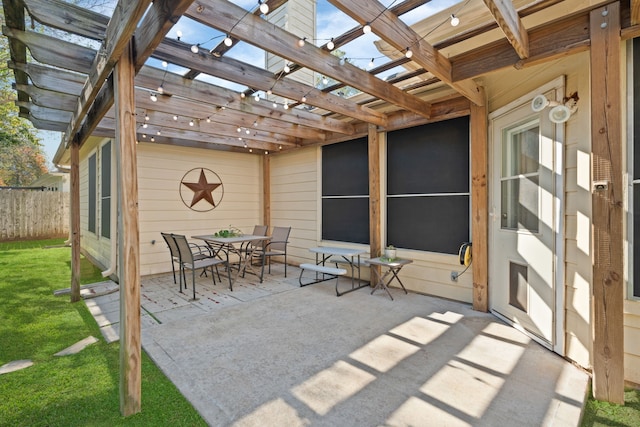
175 254
277 246
201 252
188 260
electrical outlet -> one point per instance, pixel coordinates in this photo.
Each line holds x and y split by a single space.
454 276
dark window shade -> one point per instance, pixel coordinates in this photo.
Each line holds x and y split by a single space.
92 194
636 108
428 159
346 220
431 223
105 181
345 168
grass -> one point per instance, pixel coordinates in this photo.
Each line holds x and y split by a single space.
77 390
598 413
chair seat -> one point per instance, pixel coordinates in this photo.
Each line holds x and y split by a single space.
205 262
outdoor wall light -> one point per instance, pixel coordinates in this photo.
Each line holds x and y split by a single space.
560 112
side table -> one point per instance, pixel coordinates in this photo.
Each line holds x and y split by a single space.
393 267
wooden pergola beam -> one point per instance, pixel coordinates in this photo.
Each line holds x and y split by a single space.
607 205
256 78
231 19
119 31
398 34
509 22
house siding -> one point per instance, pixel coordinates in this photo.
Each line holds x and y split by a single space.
160 170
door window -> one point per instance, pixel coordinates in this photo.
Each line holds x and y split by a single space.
520 177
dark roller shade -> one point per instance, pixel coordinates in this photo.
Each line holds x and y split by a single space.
346 220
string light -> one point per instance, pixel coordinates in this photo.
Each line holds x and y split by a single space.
366 29
264 7
153 139
256 97
158 132
330 44
228 41
370 65
144 125
454 20
178 34
160 90
242 95
146 117
325 80
153 97
191 123
209 119
165 64
239 129
304 98
408 53
286 68
175 117
302 41
286 105
275 105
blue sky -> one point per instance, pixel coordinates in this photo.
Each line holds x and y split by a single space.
330 22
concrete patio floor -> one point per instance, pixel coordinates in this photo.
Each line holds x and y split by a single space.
275 354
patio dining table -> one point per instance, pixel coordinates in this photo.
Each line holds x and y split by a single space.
243 246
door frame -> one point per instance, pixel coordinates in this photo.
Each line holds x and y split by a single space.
558 87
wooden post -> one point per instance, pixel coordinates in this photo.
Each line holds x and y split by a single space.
375 244
128 235
479 207
607 205
266 190
75 222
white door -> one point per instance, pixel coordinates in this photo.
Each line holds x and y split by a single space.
522 206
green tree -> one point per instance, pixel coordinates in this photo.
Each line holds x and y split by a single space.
21 157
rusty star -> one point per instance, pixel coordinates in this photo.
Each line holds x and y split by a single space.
202 189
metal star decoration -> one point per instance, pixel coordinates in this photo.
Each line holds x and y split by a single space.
202 189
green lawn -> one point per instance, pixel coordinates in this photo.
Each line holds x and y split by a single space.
598 413
77 390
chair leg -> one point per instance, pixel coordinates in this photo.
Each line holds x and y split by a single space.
285 263
193 274
173 269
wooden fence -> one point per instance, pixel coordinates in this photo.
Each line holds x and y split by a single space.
29 214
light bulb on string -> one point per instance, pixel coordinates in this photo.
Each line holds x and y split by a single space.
144 126
160 90
195 48
454 20
144 135
165 64
330 44
302 41
178 34
175 117
304 99
408 53
227 41
242 95
370 65
275 105
208 119
286 68
238 129
191 123
286 105
264 7
325 80
247 131
153 97
366 29
153 139
146 117
159 133
256 97
269 92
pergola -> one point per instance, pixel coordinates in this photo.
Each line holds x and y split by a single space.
80 91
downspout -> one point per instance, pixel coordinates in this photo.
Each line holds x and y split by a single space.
113 219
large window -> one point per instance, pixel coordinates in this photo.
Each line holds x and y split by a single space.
428 186
92 193
345 192
105 190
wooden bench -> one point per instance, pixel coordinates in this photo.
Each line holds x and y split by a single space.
332 272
